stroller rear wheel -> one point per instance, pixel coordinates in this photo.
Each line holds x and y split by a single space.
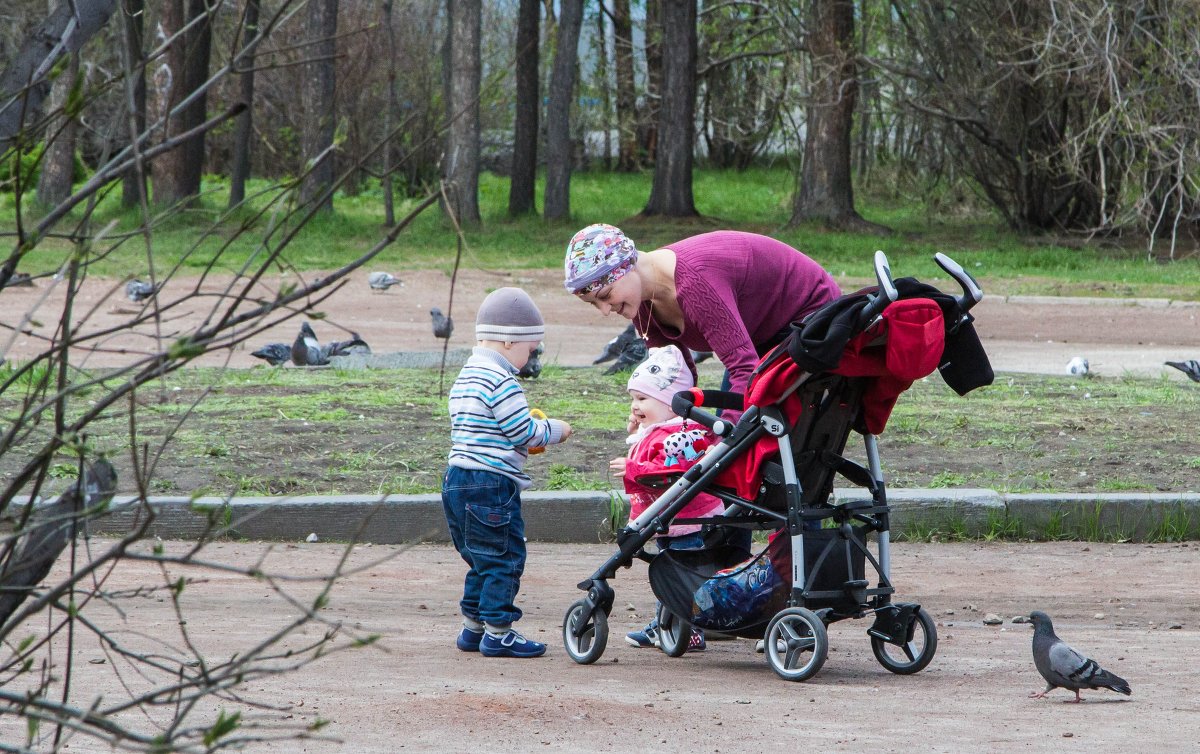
796 644
673 633
587 647
913 655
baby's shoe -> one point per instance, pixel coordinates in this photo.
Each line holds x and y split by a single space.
468 640
510 644
647 637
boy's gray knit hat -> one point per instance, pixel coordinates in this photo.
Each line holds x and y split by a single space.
509 315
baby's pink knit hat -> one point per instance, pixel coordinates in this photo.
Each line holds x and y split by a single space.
663 374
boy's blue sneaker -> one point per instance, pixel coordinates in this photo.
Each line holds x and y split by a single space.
647 637
468 640
511 644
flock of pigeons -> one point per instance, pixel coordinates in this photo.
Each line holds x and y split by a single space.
307 351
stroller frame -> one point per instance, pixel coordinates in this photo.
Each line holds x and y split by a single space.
793 494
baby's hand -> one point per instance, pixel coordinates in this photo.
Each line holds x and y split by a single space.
632 425
617 466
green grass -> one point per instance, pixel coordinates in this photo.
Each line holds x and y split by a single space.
757 200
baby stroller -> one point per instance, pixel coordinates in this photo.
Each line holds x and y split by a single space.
841 369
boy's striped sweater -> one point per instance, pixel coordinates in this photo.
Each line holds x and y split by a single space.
490 424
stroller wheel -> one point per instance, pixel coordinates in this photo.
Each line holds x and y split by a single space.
674 633
587 647
912 656
796 644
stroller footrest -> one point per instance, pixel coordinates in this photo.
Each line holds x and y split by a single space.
856 590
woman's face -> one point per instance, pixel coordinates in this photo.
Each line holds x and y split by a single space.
622 297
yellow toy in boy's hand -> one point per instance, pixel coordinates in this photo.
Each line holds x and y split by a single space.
536 413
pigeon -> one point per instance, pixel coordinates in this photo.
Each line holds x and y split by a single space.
1063 667
443 326
19 280
1077 366
306 350
356 346
700 356
137 291
1191 368
614 347
381 281
273 353
633 354
533 367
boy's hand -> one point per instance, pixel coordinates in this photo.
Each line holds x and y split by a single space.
567 431
617 466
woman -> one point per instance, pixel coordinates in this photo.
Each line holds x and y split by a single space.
728 292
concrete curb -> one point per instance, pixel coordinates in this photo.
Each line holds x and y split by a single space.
583 517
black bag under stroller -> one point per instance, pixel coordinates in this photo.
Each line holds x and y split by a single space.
841 369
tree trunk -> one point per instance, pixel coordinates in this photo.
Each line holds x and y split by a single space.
462 150
825 192
133 182
177 173
58 161
671 192
389 152
244 127
320 105
648 116
627 151
521 196
602 66
558 114
24 84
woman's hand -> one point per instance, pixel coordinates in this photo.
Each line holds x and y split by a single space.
617 466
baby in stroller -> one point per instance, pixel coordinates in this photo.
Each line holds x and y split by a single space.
661 443
841 369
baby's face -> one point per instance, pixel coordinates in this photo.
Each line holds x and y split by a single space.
647 410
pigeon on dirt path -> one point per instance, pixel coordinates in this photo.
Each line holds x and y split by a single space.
1064 667
273 353
443 326
1191 368
381 281
138 291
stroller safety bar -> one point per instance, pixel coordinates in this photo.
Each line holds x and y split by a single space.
686 404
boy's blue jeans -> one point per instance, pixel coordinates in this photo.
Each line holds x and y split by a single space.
483 511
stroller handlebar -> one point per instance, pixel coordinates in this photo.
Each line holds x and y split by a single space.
886 294
686 404
972 293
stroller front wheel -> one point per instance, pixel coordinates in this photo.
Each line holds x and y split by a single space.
913 655
674 633
586 646
796 644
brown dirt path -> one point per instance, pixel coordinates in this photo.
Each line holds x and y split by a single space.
1023 335
1124 604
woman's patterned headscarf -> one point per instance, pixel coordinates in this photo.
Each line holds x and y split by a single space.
597 256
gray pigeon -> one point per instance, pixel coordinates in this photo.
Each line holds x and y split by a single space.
381 281
273 353
533 367
614 347
306 350
443 326
701 356
1064 667
19 280
137 291
1191 368
354 347
633 354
